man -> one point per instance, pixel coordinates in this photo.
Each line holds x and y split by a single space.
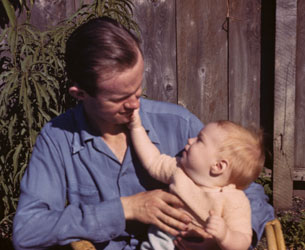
84 180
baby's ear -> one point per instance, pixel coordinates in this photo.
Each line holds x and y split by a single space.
219 167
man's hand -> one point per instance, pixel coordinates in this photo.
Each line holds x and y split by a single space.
183 244
195 238
156 207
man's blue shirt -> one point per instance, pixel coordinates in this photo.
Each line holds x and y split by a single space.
72 187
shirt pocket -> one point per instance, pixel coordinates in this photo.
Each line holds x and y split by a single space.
83 195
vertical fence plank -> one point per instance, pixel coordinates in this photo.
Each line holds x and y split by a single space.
202 58
71 7
284 102
157 23
45 14
244 61
300 89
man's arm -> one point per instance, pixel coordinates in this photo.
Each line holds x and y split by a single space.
44 218
159 166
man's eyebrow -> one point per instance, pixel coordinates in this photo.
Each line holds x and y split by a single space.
125 96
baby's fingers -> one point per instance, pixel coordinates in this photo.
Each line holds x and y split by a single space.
211 212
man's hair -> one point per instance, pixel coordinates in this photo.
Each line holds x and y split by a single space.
97 48
244 149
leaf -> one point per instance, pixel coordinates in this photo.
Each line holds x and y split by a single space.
19 174
26 63
54 112
11 40
44 114
11 129
22 91
10 11
32 83
30 30
52 93
38 93
16 158
3 35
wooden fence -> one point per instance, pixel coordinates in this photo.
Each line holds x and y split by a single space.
209 55
241 60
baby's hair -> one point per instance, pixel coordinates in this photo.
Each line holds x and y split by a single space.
244 149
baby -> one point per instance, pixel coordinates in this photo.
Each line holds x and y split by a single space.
209 177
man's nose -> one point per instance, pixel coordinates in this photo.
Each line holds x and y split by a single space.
132 103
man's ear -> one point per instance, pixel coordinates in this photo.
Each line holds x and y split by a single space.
219 167
77 93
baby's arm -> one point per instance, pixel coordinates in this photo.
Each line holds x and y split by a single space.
226 238
159 166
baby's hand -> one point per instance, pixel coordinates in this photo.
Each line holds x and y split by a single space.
135 121
216 226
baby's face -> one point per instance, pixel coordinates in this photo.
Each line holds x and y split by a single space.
201 152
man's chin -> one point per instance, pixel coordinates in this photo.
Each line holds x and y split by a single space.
125 117
123 120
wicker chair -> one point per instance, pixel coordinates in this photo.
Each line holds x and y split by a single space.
274 235
82 245
273 231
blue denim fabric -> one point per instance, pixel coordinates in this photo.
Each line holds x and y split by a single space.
261 211
72 187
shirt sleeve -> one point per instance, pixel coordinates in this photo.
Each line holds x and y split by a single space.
195 125
261 210
44 218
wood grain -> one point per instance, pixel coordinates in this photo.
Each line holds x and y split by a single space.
244 62
205 55
284 102
300 89
202 58
157 23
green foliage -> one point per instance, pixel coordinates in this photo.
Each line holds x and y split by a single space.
292 220
293 224
266 182
33 87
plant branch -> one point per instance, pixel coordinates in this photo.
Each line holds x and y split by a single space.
10 11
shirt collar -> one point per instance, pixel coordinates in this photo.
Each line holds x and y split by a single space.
148 126
82 133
